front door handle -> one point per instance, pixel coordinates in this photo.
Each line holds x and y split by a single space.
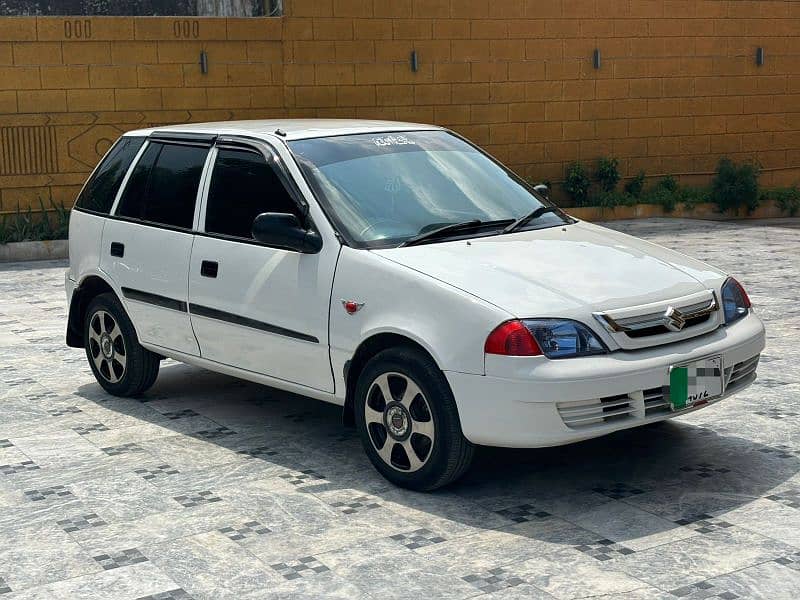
117 249
209 268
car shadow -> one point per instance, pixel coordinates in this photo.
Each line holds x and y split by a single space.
630 486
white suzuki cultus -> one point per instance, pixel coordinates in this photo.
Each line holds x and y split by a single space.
400 272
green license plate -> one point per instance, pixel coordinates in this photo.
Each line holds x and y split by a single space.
695 383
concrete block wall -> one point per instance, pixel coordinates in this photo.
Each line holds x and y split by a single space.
678 85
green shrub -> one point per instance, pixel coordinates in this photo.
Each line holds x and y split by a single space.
576 184
692 196
735 186
28 226
662 196
635 186
607 173
788 199
612 199
668 183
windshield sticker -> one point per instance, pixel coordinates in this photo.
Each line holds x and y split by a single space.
393 140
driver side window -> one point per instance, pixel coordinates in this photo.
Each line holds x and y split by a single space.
243 185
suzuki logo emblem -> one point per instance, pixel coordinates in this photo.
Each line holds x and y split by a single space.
674 319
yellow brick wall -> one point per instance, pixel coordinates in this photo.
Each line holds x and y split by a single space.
678 85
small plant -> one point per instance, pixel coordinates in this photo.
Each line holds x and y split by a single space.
27 225
613 199
735 186
608 173
668 183
662 196
577 183
635 186
787 199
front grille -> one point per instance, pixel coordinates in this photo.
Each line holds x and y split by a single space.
660 329
655 402
741 370
585 413
640 405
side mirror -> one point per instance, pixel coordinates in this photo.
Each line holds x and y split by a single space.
543 190
285 231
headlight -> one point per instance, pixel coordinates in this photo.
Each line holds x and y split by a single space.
735 302
555 338
561 338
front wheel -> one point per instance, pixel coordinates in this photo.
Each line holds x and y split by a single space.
408 421
119 363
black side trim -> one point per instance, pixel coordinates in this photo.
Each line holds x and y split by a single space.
154 299
220 315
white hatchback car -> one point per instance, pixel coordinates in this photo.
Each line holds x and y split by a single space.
400 272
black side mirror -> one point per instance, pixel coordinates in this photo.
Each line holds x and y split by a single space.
285 231
543 190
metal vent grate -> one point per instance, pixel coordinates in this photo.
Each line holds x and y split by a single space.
586 413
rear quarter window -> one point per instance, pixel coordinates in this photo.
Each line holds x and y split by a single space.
100 190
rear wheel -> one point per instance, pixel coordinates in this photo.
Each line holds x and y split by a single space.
408 421
119 363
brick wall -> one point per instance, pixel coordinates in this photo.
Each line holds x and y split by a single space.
678 85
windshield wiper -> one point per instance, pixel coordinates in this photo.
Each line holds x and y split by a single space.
447 229
534 214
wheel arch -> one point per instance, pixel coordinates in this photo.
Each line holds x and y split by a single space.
367 349
88 289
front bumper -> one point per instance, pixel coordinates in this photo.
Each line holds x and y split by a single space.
540 402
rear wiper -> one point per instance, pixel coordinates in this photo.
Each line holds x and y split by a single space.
534 214
446 229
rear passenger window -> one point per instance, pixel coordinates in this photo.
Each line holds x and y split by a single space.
243 185
99 192
163 186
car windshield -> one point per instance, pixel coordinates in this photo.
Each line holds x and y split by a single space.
382 189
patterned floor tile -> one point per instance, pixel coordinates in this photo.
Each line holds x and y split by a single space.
357 504
418 538
493 580
157 472
25 465
259 497
302 567
704 470
301 477
523 513
604 549
790 498
89 429
618 490
259 452
122 449
245 530
704 523
196 498
125 558
82 522
55 491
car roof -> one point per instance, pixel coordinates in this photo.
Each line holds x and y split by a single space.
291 129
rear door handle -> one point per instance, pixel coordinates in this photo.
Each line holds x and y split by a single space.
117 249
209 268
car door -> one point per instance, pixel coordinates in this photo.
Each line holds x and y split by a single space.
253 306
147 242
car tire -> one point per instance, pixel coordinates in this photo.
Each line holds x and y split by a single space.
413 437
119 363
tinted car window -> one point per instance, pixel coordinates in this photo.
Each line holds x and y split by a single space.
99 192
242 187
163 186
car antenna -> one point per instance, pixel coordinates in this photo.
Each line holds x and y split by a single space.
280 132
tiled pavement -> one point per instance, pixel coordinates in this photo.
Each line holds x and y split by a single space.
212 488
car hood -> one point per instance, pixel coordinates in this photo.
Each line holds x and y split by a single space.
560 271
